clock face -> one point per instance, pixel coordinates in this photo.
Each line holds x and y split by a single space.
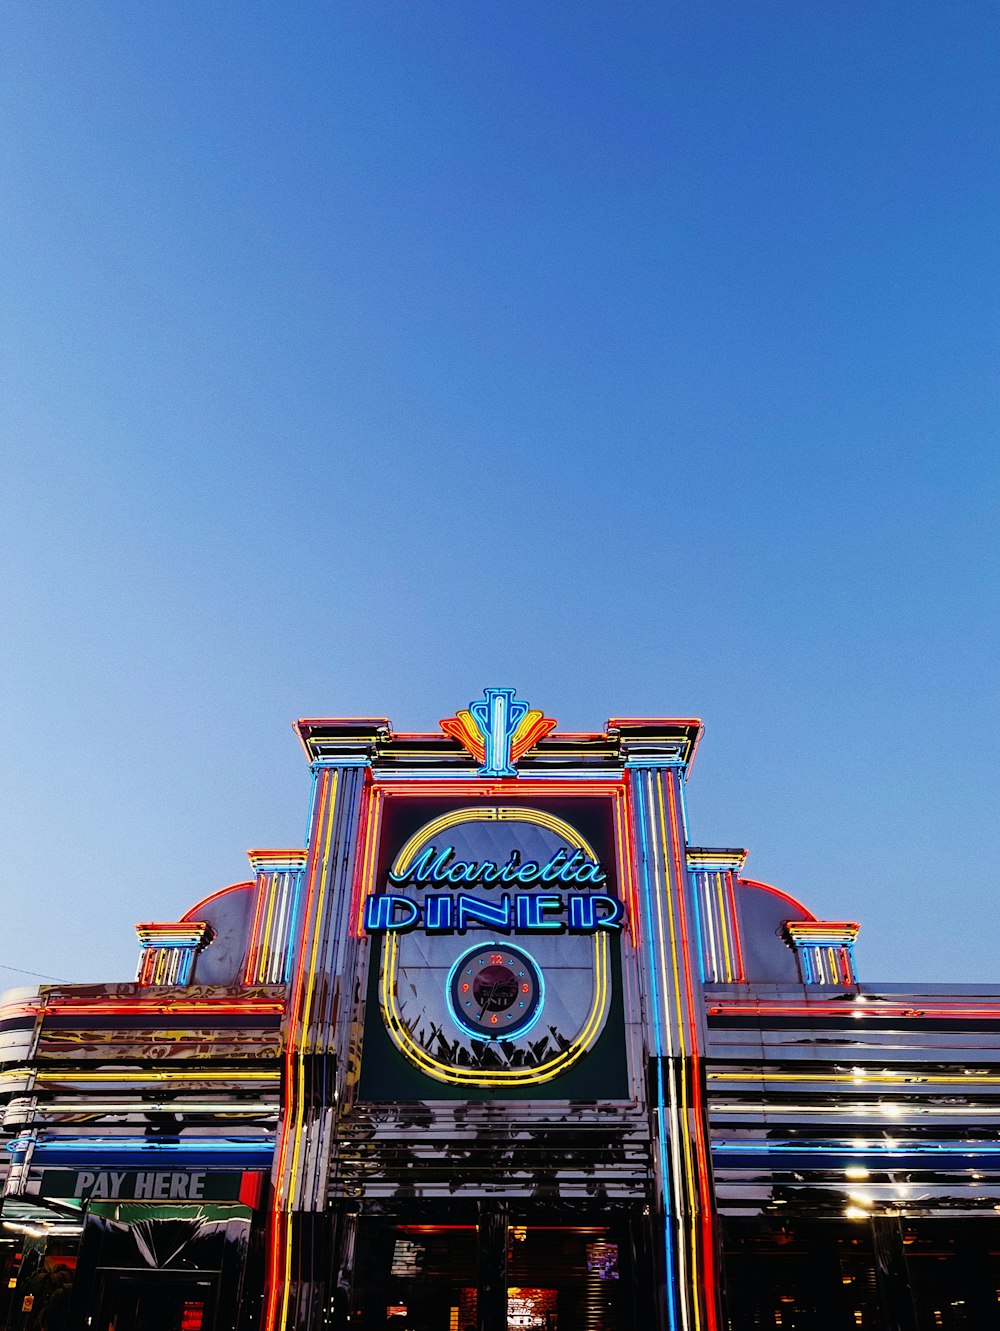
495 991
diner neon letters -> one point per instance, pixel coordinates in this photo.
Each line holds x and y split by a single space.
565 866
440 912
525 913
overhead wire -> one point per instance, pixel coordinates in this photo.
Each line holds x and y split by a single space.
39 975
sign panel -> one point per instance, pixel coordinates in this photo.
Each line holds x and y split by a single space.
497 928
151 1185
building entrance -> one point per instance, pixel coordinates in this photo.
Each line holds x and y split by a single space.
467 1278
172 1301
568 1279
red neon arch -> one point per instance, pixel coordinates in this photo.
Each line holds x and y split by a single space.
776 891
233 887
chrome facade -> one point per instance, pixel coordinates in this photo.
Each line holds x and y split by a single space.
709 1122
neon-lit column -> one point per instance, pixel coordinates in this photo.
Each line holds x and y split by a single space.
714 873
275 918
301 1275
825 951
168 951
670 956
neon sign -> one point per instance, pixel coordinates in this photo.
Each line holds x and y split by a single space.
498 731
521 912
565 866
525 913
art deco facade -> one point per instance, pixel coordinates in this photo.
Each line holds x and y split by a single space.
499 1047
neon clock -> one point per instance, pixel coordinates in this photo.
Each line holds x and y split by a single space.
495 991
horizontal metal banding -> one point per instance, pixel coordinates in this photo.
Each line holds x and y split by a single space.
890 1104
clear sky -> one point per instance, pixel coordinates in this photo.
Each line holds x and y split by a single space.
642 357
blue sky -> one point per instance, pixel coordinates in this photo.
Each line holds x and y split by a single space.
641 357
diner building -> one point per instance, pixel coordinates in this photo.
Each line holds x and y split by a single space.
501 1046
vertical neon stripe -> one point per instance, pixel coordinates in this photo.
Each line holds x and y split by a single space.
360 886
250 975
675 1016
848 956
293 919
305 1042
740 970
627 886
710 947
365 873
263 965
705 1198
698 930
313 796
280 1236
279 925
678 1138
725 928
672 892
621 803
678 822
658 1052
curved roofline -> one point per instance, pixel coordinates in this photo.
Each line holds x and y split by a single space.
776 891
188 914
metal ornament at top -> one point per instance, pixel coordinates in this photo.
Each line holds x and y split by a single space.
498 731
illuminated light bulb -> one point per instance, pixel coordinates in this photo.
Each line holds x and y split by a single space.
859 1143
855 1171
856 1213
